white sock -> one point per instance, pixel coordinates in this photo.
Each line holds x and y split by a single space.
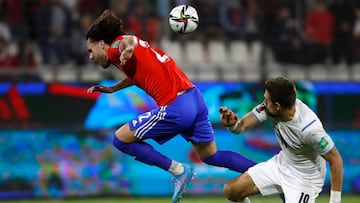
246 200
176 168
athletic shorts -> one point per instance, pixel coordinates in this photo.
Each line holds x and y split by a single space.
187 116
272 178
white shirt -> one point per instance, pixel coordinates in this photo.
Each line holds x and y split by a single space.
302 141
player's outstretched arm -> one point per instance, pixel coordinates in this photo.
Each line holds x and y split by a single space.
231 121
110 89
336 173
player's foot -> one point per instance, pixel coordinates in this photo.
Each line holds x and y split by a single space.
181 181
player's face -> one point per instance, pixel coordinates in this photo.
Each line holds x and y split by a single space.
272 109
97 53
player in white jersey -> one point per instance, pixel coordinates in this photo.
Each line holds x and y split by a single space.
298 170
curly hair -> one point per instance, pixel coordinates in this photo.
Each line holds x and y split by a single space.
106 27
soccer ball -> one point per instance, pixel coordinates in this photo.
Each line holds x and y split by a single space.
183 19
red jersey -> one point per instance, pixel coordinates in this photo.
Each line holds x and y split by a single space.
151 70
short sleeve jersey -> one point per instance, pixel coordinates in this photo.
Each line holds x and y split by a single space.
302 141
151 70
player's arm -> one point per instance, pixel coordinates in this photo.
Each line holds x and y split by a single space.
127 47
231 121
110 89
336 174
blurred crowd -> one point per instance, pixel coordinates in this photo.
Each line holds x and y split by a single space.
37 33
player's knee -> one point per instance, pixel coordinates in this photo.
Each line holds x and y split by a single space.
125 135
118 133
232 193
227 190
119 144
211 160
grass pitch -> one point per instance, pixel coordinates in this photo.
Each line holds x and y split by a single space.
188 199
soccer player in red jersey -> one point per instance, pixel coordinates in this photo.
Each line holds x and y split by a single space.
181 108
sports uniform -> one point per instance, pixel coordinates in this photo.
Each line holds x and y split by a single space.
182 109
298 170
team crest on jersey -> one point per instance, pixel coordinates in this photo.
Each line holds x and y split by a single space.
323 143
261 108
115 44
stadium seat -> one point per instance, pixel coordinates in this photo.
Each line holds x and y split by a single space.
190 72
66 74
296 72
318 73
231 72
217 53
355 73
270 58
207 73
46 73
235 76
174 50
274 70
238 52
251 73
255 52
339 73
90 74
194 53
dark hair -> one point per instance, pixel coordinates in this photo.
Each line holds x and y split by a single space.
106 27
281 90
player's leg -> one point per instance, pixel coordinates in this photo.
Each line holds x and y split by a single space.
264 178
202 138
239 188
209 154
158 125
125 141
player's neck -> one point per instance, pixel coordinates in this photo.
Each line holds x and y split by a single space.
288 114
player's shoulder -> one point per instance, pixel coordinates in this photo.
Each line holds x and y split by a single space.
259 112
118 39
308 120
116 43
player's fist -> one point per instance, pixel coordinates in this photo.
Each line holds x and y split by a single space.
99 88
227 117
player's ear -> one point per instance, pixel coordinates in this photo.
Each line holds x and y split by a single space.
277 106
102 44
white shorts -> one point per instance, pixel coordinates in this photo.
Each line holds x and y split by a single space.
272 178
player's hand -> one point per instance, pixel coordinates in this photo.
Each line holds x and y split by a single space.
100 88
126 55
227 117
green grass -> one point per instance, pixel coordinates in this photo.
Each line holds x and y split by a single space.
201 199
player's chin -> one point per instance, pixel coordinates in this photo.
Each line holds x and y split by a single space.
105 65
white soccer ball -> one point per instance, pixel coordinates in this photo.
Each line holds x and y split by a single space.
183 19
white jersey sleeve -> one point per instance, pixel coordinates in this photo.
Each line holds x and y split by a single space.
259 112
317 137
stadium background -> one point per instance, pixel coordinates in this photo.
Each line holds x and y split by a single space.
56 139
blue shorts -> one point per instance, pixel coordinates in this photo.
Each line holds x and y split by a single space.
187 116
